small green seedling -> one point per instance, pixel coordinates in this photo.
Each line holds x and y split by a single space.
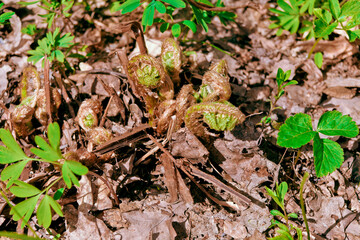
167 7
284 231
52 46
328 155
317 19
5 16
282 81
48 152
55 9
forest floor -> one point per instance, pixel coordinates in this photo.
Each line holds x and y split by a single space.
140 205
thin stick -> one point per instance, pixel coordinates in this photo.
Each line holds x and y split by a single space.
108 185
47 89
124 61
306 176
101 124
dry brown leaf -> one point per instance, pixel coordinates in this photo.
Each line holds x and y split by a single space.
170 177
340 92
183 189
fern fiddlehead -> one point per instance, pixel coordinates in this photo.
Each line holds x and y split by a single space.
219 116
171 56
151 81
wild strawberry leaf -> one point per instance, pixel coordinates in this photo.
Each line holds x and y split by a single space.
176 3
296 131
328 156
322 29
333 123
335 8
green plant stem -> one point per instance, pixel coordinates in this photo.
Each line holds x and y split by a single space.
10 204
297 156
306 176
52 184
313 47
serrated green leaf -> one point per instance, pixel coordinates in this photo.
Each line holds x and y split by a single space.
328 156
286 7
24 209
190 24
335 8
296 131
126 7
199 18
323 15
160 7
350 8
148 16
276 213
176 30
13 152
58 55
23 189
175 3
318 59
333 123
353 35
293 215
322 29
6 16
13 172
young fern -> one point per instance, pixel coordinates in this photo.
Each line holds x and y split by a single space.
171 59
151 81
215 84
219 116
